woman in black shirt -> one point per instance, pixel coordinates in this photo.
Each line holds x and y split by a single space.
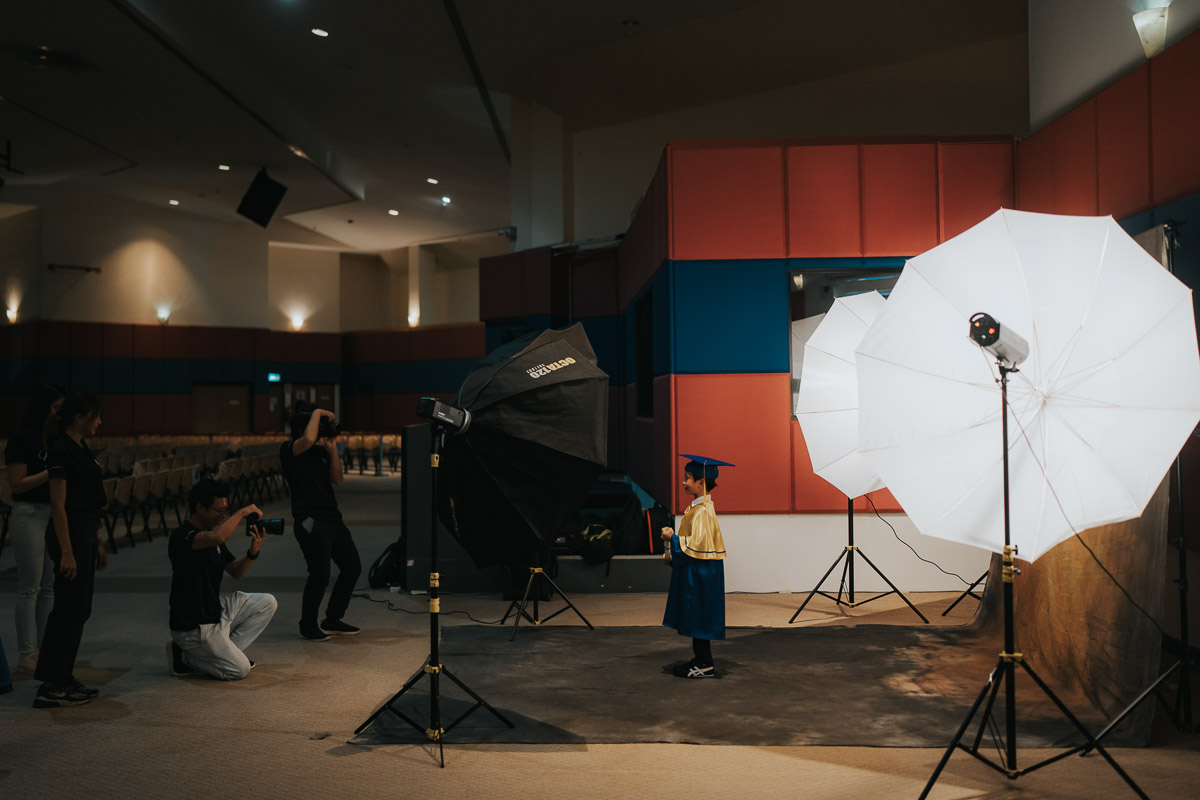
25 456
72 538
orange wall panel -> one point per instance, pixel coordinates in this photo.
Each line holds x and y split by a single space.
824 204
1035 172
1123 145
500 285
727 203
742 419
976 180
1074 146
1175 119
900 199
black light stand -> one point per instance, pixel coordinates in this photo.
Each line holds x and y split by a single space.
433 666
1007 664
536 572
970 591
848 569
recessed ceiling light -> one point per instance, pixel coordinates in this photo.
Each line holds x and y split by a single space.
431 180
393 212
223 167
445 200
173 202
319 32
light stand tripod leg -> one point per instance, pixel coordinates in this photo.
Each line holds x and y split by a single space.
534 573
817 588
879 572
970 591
520 608
991 686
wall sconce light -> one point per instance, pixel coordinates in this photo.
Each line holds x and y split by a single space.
413 319
798 281
164 314
1151 26
297 321
12 314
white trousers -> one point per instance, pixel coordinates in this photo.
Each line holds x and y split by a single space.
216 649
35 573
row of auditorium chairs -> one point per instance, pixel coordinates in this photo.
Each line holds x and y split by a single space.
368 448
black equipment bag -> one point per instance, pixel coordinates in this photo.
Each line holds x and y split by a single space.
389 568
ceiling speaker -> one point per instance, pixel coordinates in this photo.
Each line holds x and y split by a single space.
261 199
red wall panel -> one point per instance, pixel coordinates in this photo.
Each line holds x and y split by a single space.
535 282
51 340
269 345
87 339
1175 119
757 441
148 413
237 344
500 286
118 340
116 415
177 343
594 285
1123 145
177 413
976 180
148 341
207 343
1074 145
823 201
900 199
727 203
1035 172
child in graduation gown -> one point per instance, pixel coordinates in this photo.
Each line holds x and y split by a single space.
696 600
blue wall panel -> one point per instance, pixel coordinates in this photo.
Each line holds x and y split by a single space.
148 375
87 375
117 377
607 336
730 316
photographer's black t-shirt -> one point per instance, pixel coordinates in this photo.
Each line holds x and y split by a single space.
195 579
307 476
25 447
75 463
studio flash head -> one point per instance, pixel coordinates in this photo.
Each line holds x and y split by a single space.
1008 347
453 419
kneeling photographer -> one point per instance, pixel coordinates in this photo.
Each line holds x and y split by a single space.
209 630
311 466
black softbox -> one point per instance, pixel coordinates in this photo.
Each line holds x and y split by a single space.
537 441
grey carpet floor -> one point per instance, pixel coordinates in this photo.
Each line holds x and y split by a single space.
886 686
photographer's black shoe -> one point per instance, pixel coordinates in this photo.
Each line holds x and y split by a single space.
175 661
49 696
79 688
338 627
313 633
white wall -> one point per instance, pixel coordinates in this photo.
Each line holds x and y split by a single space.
1077 47
790 553
365 292
305 282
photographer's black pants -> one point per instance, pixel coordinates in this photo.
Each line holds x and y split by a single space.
329 541
72 599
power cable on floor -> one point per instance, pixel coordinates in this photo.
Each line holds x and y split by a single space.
363 593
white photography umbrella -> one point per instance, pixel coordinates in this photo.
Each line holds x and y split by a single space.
827 408
827 403
1099 410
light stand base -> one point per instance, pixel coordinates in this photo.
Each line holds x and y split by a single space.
848 553
518 608
1004 669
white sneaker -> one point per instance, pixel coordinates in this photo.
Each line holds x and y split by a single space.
27 662
698 671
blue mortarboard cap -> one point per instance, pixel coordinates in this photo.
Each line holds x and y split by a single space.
708 465
706 461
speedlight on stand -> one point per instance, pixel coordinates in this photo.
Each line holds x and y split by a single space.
1006 666
433 667
847 588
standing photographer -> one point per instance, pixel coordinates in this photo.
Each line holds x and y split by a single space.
210 630
311 466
